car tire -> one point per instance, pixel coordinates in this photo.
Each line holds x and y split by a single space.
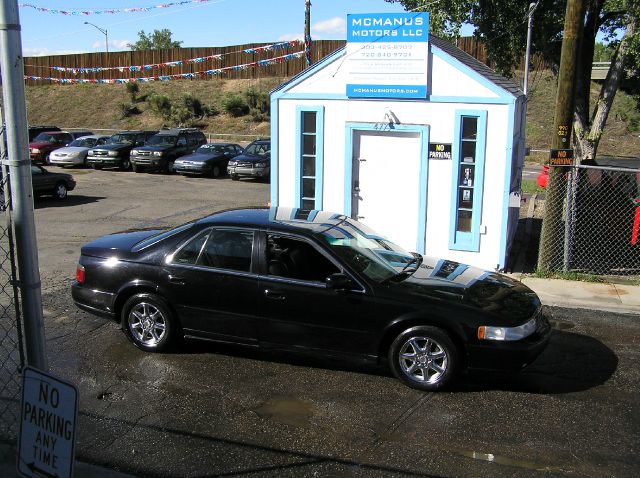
135 168
170 168
215 171
96 166
234 177
60 191
125 165
148 322
424 358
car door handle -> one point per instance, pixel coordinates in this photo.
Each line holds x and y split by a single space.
177 280
269 294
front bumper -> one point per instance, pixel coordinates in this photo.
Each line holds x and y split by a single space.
510 356
105 161
148 164
248 171
191 169
66 161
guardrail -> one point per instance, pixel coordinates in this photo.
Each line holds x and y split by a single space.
599 70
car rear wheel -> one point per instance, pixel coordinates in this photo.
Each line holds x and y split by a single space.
60 191
424 358
148 322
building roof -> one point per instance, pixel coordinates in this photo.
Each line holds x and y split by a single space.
448 48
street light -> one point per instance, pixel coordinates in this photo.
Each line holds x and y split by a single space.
103 31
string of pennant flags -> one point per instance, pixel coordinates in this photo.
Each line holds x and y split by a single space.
110 10
170 64
182 76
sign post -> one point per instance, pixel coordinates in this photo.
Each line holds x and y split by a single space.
47 426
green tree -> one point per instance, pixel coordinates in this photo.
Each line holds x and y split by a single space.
158 40
501 25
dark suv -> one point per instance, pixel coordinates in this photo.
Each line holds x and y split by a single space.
161 151
115 152
36 130
48 141
254 162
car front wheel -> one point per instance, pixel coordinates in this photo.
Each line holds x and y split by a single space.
148 322
60 191
215 171
424 358
125 165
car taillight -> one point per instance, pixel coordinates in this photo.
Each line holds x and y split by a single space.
80 274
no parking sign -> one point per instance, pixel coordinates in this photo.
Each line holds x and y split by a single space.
47 426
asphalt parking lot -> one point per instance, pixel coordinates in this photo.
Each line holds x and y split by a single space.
214 410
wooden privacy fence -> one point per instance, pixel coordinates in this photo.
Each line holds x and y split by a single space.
231 56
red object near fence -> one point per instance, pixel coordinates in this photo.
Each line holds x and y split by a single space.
636 225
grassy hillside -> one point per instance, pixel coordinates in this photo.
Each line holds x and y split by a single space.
100 107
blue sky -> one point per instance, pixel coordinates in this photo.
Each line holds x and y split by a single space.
216 23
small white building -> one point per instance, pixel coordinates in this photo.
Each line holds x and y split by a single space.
438 174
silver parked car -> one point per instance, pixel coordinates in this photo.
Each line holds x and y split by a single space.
75 154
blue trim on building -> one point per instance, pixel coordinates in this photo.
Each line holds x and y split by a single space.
468 241
275 169
472 100
423 131
502 251
458 65
319 172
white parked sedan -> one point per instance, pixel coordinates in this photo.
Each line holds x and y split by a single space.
75 154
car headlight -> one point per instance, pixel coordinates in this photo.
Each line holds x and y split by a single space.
261 165
113 154
91 152
35 150
487 332
232 163
157 153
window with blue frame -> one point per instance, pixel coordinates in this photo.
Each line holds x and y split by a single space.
469 156
310 157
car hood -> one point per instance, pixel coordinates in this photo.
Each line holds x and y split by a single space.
40 144
71 149
113 146
508 300
251 158
154 148
116 244
198 158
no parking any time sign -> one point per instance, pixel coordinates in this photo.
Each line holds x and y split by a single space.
47 426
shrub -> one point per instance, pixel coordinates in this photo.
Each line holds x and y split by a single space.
258 116
128 109
258 100
194 105
235 105
133 89
161 105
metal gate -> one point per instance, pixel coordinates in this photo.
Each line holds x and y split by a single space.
12 357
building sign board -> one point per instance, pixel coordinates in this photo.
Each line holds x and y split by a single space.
47 426
561 157
440 151
387 55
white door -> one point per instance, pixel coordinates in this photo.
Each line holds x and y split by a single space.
386 184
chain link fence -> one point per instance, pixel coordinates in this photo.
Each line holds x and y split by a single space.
601 218
11 346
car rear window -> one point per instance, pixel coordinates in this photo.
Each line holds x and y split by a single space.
149 241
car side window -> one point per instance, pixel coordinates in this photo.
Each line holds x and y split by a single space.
182 141
228 249
296 259
189 253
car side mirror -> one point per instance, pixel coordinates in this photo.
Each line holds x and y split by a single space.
339 282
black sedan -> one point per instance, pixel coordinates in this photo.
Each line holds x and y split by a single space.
209 160
315 282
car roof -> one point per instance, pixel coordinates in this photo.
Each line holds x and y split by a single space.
272 218
96 136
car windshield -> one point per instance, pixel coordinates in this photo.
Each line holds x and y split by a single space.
210 148
84 142
162 140
258 149
367 252
122 139
46 137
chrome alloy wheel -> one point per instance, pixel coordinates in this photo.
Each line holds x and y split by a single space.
147 324
423 360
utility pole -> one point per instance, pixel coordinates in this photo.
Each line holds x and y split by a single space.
550 255
307 31
15 111
527 57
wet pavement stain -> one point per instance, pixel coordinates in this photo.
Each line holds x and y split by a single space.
289 411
